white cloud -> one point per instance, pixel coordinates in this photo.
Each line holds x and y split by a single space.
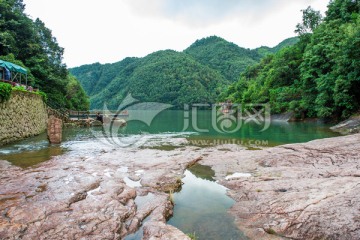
108 31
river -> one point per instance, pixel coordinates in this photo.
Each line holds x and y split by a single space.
202 203
168 124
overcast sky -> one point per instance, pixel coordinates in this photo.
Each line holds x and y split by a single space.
108 31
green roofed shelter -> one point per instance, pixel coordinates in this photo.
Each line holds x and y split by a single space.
16 70
13 67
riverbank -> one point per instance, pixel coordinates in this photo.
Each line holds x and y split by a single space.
297 191
94 191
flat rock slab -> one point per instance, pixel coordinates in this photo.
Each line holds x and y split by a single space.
297 191
84 196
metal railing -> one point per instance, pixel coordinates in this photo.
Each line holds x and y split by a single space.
92 114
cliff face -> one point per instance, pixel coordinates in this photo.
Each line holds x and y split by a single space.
23 115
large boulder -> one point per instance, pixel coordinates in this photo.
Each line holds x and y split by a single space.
352 125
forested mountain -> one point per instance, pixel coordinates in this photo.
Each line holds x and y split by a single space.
317 77
31 45
196 75
264 51
227 58
164 76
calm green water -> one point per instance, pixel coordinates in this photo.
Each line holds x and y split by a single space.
165 126
201 207
278 133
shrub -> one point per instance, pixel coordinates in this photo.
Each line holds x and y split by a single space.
192 236
19 88
5 91
42 94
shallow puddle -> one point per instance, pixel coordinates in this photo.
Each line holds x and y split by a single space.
201 207
140 202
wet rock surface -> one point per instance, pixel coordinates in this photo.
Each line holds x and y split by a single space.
349 126
297 191
83 196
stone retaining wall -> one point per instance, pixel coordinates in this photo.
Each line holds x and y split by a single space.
23 115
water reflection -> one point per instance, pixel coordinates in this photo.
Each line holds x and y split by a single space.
140 202
26 159
201 207
203 172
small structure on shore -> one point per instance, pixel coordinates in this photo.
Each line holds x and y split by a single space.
226 107
12 73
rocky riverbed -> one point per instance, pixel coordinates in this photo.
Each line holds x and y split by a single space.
298 191
83 196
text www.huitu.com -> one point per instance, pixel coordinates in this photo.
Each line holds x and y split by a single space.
215 142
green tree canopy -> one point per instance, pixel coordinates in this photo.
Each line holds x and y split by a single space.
31 44
317 77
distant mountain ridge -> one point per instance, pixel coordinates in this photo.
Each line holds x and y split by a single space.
196 75
226 57
263 51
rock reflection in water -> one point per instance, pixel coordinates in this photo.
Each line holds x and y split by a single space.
203 172
201 207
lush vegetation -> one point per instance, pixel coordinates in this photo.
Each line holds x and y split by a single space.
5 91
227 58
317 77
197 75
164 76
264 51
31 45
